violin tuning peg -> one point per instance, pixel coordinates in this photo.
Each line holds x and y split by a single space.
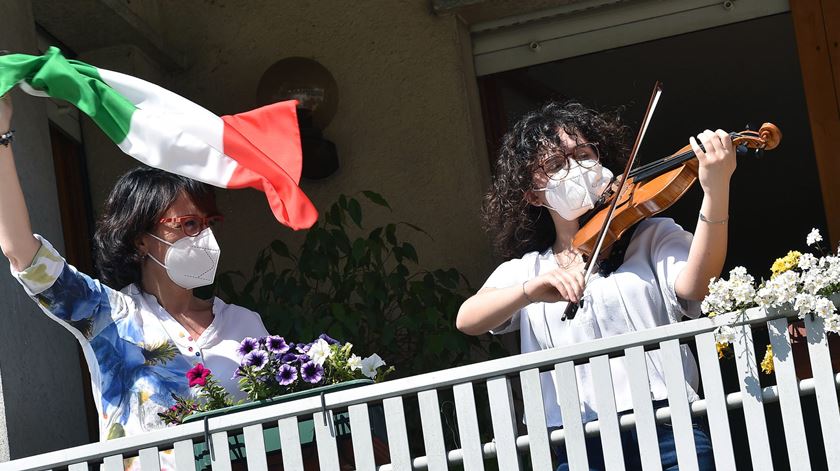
759 153
741 150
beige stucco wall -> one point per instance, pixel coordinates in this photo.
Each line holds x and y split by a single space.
407 124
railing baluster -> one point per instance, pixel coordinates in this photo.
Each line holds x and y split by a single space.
432 430
255 448
325 439
184 455
504 423
290 443
569 400
84 467
718 418
607 416
149 459
535 420
636 365
397 435
471 448
753 403
362 440
221 451
113 463
672 365
825 388
788 387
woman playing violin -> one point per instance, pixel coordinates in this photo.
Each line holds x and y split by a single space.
553 167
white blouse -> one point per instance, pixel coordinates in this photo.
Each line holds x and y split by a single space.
638 295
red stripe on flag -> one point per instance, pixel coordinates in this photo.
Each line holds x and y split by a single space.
265 142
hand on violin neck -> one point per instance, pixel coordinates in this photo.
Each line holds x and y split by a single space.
716 159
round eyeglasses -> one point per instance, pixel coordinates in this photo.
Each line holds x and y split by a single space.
193 224
556 166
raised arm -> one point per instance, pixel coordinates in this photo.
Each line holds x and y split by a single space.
16 239
708 248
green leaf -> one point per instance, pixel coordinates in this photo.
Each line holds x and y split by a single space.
358 249
342 242
333 216
409 252
387 334
435 343
280 248
355 211
226 285
390 234
376 198
417 228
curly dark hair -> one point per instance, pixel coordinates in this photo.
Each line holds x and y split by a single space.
134 207
516 226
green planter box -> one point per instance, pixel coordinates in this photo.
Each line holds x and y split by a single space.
306 428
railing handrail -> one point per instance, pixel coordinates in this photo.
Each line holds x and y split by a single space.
404 386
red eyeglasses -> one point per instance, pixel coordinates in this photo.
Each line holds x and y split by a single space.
193 224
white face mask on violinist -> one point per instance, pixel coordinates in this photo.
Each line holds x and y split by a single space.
191 262
578 190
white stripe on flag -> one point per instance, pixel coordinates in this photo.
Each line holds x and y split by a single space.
172 133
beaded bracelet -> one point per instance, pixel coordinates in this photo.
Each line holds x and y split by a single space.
7 137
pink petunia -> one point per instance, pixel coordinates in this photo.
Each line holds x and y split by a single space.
197 376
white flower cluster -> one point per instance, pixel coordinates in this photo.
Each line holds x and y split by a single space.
730 295
806 287
724 335
321 350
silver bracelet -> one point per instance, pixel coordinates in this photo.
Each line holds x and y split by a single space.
707 221
530 301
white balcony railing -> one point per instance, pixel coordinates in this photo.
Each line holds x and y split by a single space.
509 448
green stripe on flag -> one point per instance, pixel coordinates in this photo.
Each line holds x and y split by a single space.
73 81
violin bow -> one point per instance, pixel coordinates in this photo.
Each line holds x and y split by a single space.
571 308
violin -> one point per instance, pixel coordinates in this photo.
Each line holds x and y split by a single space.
650 189
654 187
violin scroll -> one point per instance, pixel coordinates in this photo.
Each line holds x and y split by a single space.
766 138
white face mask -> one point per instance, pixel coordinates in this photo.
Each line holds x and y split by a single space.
578 191
191 261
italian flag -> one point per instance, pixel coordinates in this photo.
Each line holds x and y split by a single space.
258 149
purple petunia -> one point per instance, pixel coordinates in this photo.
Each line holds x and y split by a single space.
286 375
312 372
328 339
276 344
289 357
238 373
247 345
256 358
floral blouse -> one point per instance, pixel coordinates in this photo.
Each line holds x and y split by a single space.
137 354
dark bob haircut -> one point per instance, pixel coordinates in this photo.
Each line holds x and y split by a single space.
516 226
134 207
